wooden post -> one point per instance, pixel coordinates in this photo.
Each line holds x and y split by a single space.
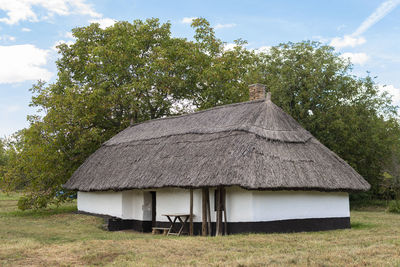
217 218
224 207
218 203
208 212
204 212
191 213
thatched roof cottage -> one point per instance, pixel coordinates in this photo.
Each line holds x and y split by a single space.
251 161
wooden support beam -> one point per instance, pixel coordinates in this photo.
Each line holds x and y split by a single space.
224 207
218 203
217 218
191 213
208 212
204 211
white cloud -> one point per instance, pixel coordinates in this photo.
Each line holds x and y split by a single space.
355 39
341 27
263 49
25 29
356 58
377 15
23 62
27 10
347 40
222 26
320 38
6 38
69 35
393 91
229 46
187 20
104 22
54 47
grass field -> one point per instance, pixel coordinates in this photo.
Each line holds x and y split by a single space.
60 237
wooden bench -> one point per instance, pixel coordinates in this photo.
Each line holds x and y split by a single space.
157 230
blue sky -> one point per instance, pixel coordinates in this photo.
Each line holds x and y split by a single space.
366 31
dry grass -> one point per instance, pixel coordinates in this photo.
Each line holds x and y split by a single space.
60 237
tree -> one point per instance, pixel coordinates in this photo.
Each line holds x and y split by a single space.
346 113
220 76
132 72
3 157
108 79
3 160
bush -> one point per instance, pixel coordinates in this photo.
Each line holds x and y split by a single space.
33 202
394 206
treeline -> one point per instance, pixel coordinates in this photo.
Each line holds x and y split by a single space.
132 72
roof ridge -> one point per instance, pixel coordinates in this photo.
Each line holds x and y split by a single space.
306 140
197 112
229 128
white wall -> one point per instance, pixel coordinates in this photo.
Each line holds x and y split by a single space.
135 205
175 200
106 203
284 205
124 204
242 205
238 204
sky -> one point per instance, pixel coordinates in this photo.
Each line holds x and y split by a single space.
365 31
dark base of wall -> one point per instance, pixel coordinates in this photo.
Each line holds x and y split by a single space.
282 226
117 224
287 226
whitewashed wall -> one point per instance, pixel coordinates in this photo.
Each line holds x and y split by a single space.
106 203
136 204
173 200
242 205
131 204
284 205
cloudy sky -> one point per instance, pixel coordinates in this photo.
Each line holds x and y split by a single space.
366 31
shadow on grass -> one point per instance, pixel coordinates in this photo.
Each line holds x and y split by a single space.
361 226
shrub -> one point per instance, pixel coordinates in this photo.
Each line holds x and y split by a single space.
394 206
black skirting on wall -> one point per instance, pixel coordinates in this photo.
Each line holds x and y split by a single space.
281 226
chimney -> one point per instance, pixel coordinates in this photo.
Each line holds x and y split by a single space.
256 91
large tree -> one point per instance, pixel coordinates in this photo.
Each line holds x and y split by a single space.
3 160
346 113
132 72
108 79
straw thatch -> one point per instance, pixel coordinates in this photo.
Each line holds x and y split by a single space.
254 145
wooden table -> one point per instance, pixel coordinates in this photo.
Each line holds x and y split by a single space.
181 217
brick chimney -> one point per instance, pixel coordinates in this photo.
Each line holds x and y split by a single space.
256 91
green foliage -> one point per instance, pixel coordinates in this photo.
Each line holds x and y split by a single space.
108 79
132 72
221 76
346 113
4 156
394 206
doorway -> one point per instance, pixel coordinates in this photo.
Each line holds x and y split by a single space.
153 208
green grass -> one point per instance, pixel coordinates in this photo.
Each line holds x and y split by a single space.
59 237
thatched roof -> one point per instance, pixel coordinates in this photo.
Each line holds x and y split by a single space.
254 145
